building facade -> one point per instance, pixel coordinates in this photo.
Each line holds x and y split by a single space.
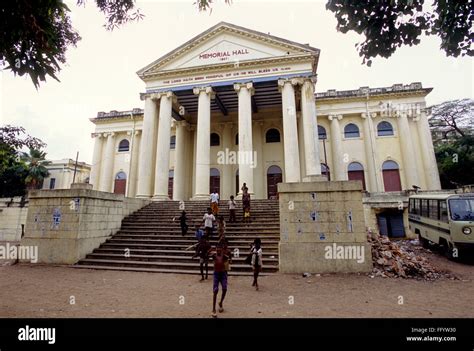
233 105
61 174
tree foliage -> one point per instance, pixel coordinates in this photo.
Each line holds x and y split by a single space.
452 125
13 169
390 24
456 162
35 35
37 171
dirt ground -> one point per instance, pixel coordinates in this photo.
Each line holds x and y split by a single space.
47 291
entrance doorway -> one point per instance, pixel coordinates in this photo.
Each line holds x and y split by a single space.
390 223
120 183
274 176
215 181
170 183
391 176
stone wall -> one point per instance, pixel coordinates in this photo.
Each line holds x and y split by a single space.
12 218
322 228
67 224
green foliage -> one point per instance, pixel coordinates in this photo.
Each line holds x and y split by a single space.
13 169
456 162
390 24
37 171
35 35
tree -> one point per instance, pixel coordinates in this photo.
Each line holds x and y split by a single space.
37 171
34 35
451 125
455 162
389 24
453 118
13 170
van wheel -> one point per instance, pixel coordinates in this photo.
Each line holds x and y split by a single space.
450 251
424 242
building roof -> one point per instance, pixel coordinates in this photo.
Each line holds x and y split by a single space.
225 26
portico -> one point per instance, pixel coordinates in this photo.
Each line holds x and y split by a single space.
234 106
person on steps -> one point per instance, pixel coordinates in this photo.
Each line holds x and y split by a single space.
182 222
232 206
208 221
256 252
202 251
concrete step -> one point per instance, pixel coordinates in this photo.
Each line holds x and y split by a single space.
164 270
126 234
167 258
169 265
190 253
137 245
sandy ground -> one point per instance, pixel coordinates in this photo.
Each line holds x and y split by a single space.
46 291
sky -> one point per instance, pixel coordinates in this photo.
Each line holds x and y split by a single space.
100 73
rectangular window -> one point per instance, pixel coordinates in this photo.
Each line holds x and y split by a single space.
424 208
52 183
434 212
413 207
443 211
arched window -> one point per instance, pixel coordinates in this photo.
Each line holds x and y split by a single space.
124 145
237 139
215 139
272 136
173 142
391 176
355 171
325 171
351 131
384 128
322 133
121 175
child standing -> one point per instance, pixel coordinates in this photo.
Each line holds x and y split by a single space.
256 252
231 209
220 258
182 223
208 221
202 251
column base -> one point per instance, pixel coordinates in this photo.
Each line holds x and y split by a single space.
315 178
143 196
160 198
201 197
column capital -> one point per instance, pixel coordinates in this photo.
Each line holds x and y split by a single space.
207 90
138 132
371 115
96 135
248 86
158 96
109 134
283 81
180 124
258 123
335 117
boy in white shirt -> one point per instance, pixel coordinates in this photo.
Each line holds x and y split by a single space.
208 221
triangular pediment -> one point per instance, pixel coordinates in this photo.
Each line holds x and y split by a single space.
226 43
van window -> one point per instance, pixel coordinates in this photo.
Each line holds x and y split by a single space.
443 211
424 208
433 208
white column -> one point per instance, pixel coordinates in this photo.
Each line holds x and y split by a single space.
245 92
369 142
258 171
338 170
203 146
163 147
96 161
145 168
106 176
406 144
179 161
290 132
310 129
227 175
427 152
132 182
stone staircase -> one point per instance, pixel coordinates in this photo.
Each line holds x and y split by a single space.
150 241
